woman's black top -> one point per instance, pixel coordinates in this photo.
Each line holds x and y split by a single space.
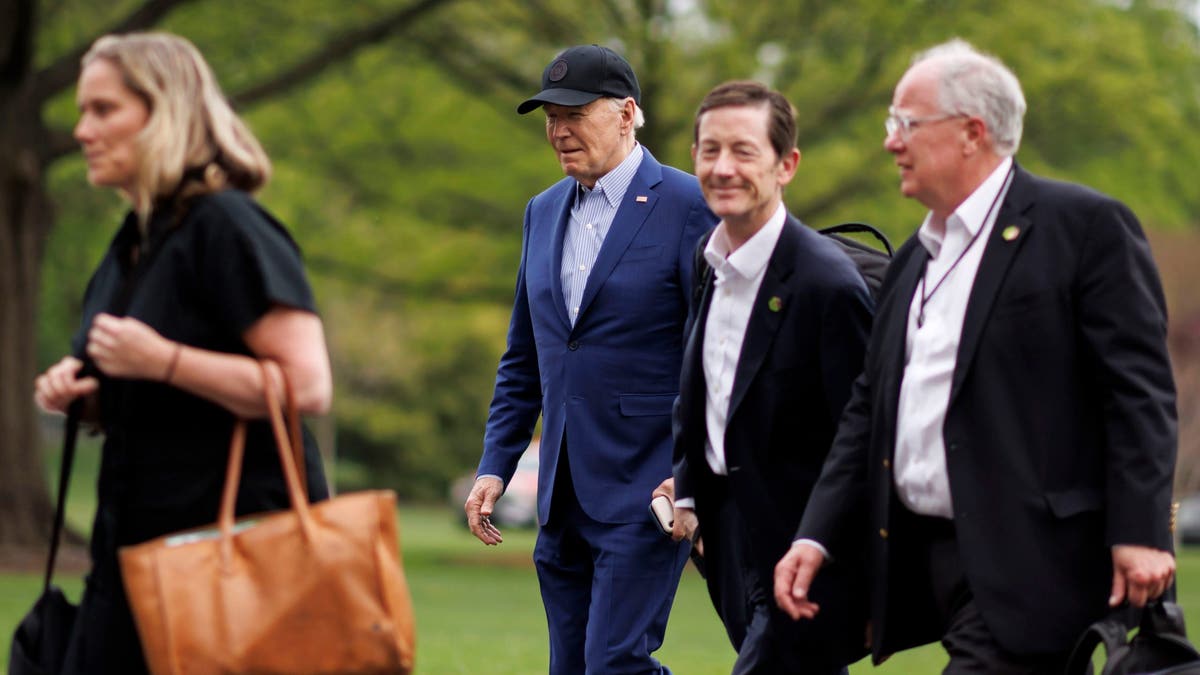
208 271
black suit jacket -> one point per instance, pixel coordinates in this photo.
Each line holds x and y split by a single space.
1060 432
803 347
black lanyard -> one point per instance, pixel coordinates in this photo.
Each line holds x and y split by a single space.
982 226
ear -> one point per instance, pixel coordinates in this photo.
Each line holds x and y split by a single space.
976 136
694 149
628 112
788 166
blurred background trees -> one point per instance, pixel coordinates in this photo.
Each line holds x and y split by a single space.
403 170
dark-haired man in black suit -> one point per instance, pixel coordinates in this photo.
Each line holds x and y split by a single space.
779 334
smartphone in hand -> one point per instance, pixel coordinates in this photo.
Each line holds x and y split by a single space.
662 511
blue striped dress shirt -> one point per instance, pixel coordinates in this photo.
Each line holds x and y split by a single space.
591 216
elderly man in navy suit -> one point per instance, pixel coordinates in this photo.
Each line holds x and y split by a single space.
594 347
1010 446
781 326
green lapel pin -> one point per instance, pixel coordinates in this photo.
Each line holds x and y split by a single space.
775 304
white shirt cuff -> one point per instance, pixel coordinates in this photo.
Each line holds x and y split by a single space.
686 503
815 544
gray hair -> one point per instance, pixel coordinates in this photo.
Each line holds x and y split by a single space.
639 117
980 85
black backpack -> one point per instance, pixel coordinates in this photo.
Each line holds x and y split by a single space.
871 262
1160 646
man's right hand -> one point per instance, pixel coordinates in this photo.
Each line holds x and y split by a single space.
793 577
479 507
685 521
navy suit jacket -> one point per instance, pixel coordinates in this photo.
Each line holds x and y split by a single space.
802 350
1060 431
608 383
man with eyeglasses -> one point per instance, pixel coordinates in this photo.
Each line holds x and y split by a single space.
1010 447
594 347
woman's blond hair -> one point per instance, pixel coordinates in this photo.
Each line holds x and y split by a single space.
193 141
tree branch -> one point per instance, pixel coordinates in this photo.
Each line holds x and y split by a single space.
334 51
64 71
850 100
466 62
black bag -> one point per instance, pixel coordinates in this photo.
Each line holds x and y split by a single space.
1159 647
872 263
40 641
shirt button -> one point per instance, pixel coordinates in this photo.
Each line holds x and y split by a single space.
573 345
582 268
882 533
589 226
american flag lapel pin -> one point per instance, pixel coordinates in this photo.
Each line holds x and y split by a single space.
641 199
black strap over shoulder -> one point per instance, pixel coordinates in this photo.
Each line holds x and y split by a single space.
1160 645
858 228
871 262
76 409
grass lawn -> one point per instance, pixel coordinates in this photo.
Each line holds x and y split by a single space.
479 611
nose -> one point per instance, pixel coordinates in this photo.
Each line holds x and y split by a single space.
556 129
892 142
723 166
83 129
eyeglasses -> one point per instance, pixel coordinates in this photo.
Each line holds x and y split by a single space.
904 124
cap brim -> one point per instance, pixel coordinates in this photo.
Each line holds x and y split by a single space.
558 97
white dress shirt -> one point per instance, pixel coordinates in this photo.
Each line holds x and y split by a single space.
737 277
931 347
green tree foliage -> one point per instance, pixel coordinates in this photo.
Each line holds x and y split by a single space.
404 170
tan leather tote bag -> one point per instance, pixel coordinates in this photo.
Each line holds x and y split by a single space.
315 589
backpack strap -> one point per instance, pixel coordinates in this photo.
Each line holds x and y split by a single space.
1111 632
67 459
76 409
860 228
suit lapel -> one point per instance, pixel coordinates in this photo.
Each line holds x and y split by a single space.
770 306
891 324
993 266
562 205
693 354
693 387
635 207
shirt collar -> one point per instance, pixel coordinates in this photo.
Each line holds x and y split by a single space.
615 183
750 258
971 213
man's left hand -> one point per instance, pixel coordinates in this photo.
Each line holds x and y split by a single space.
1140 573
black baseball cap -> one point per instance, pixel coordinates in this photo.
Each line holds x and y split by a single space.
583 74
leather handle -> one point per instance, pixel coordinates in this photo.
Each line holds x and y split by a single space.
293 419
287 459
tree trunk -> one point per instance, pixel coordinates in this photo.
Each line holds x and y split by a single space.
24 224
